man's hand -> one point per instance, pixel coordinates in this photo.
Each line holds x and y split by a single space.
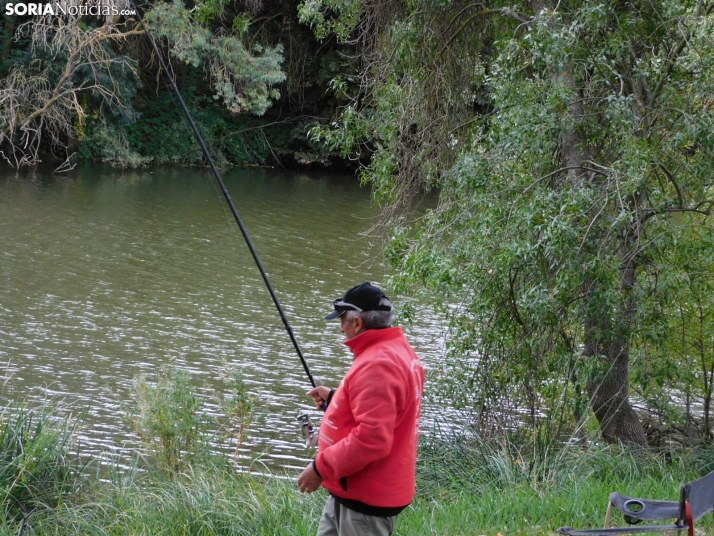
319 394
309 480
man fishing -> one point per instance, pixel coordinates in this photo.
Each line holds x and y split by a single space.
368 438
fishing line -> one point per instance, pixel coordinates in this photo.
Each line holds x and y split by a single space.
226 195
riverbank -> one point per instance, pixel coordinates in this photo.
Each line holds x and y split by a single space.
468 487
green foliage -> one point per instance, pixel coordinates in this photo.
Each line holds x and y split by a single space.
499 487
168 417
232 63
209 501
676 355
105 142
80 83
208 10
38 472
162 134
13 48
172 420
482 465
465 485
339 17
569 146
238 408
241 77
68 62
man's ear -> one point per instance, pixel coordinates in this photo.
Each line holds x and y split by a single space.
359 323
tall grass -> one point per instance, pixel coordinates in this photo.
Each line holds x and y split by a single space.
480 490
466 485
208 502
171 419
473 486
39 468
460 462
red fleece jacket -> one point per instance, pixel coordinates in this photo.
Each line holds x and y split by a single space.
368 436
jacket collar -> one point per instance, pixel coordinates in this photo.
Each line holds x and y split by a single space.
364 341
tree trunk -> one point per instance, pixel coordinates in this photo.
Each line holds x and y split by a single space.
609 394
607 341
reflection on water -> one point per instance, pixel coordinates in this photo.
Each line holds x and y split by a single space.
106 274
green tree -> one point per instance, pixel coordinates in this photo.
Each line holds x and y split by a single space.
568 140
241 77
674 365
79 62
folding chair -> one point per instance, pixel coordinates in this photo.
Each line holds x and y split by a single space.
696 500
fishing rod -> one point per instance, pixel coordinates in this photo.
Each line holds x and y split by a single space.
226 195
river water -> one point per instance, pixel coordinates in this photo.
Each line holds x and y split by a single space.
106 274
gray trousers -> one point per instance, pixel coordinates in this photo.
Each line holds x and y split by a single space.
338 520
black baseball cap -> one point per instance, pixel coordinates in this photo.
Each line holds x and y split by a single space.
364 297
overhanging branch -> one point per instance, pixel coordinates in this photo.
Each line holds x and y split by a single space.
671 179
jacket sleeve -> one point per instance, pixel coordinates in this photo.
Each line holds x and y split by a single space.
375 393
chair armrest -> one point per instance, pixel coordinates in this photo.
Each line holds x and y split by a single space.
644 509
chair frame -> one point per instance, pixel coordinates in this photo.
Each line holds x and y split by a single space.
694 502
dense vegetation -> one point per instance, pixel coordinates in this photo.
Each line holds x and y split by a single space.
88 88
573 147
466 485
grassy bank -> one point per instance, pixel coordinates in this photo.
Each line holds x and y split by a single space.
209 506
465 487
212 502
479 489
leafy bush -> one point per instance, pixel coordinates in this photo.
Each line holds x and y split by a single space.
238 410
170 418
104 142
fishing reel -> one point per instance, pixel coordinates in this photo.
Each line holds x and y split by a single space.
308 430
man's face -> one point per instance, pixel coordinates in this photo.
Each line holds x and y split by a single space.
351 328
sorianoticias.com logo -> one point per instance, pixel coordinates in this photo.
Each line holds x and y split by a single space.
97 8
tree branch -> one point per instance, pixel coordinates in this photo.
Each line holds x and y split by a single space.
560 170
677 51
482 13
674 182
512 274
647 214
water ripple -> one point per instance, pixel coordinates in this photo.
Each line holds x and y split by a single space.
106 275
